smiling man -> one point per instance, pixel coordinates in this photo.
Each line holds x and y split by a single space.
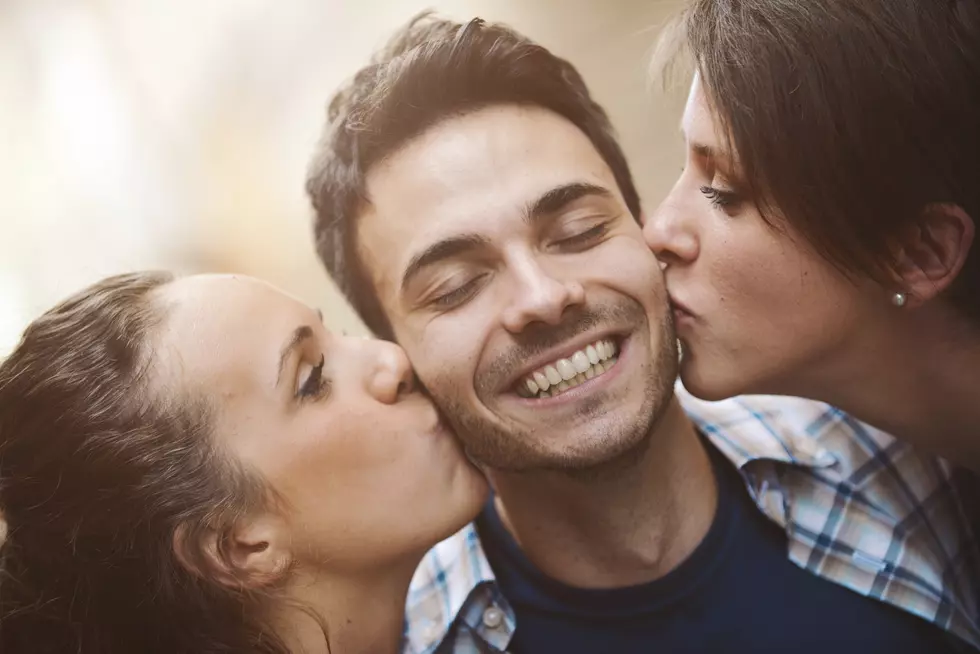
486 275
473 204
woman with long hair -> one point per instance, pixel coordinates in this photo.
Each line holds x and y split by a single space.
198 465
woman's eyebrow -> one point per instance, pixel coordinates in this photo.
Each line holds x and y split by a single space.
300 335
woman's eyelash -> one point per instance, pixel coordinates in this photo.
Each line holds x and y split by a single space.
315 385
719 198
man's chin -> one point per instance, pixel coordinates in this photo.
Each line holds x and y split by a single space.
605 441
596 433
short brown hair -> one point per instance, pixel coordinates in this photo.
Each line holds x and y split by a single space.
848 117
99 468
431 70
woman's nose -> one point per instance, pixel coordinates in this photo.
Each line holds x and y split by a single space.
389 372
669 232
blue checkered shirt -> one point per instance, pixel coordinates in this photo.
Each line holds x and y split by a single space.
860 509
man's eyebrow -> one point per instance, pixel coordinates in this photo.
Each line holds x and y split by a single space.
559 197
299 335
440 251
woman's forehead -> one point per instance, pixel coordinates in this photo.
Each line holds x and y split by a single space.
222 328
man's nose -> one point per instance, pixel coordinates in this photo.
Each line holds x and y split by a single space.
539 297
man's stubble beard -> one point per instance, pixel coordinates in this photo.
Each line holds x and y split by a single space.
491 447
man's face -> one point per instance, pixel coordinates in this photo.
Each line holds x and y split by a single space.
502 252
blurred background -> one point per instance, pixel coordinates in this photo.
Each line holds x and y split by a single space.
176 133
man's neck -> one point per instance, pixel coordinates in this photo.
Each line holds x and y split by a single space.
621 529
918 379
360 613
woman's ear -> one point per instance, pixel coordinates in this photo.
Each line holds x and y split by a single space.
931 252
253 553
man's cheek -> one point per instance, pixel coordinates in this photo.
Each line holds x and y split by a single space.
446 388
437 380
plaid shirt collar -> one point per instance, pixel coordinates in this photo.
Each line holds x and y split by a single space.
859 508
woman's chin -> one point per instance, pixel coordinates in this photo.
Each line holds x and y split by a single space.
707 387
470 496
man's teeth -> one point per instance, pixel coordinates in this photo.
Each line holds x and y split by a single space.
563 374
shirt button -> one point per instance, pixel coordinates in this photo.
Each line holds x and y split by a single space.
814 451
493 617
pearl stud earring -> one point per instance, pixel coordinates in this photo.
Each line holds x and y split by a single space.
899 299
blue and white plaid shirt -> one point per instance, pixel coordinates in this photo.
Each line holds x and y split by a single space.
860 509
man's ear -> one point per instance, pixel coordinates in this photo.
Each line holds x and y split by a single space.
253 553
931 252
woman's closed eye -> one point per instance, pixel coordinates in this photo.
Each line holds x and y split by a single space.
721 198
314 385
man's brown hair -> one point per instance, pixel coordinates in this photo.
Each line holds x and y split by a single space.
431 70
848 118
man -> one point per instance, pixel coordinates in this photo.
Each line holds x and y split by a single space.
474 205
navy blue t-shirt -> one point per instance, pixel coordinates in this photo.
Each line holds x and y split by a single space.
737 592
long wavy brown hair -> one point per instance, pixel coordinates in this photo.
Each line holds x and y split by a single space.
102 466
